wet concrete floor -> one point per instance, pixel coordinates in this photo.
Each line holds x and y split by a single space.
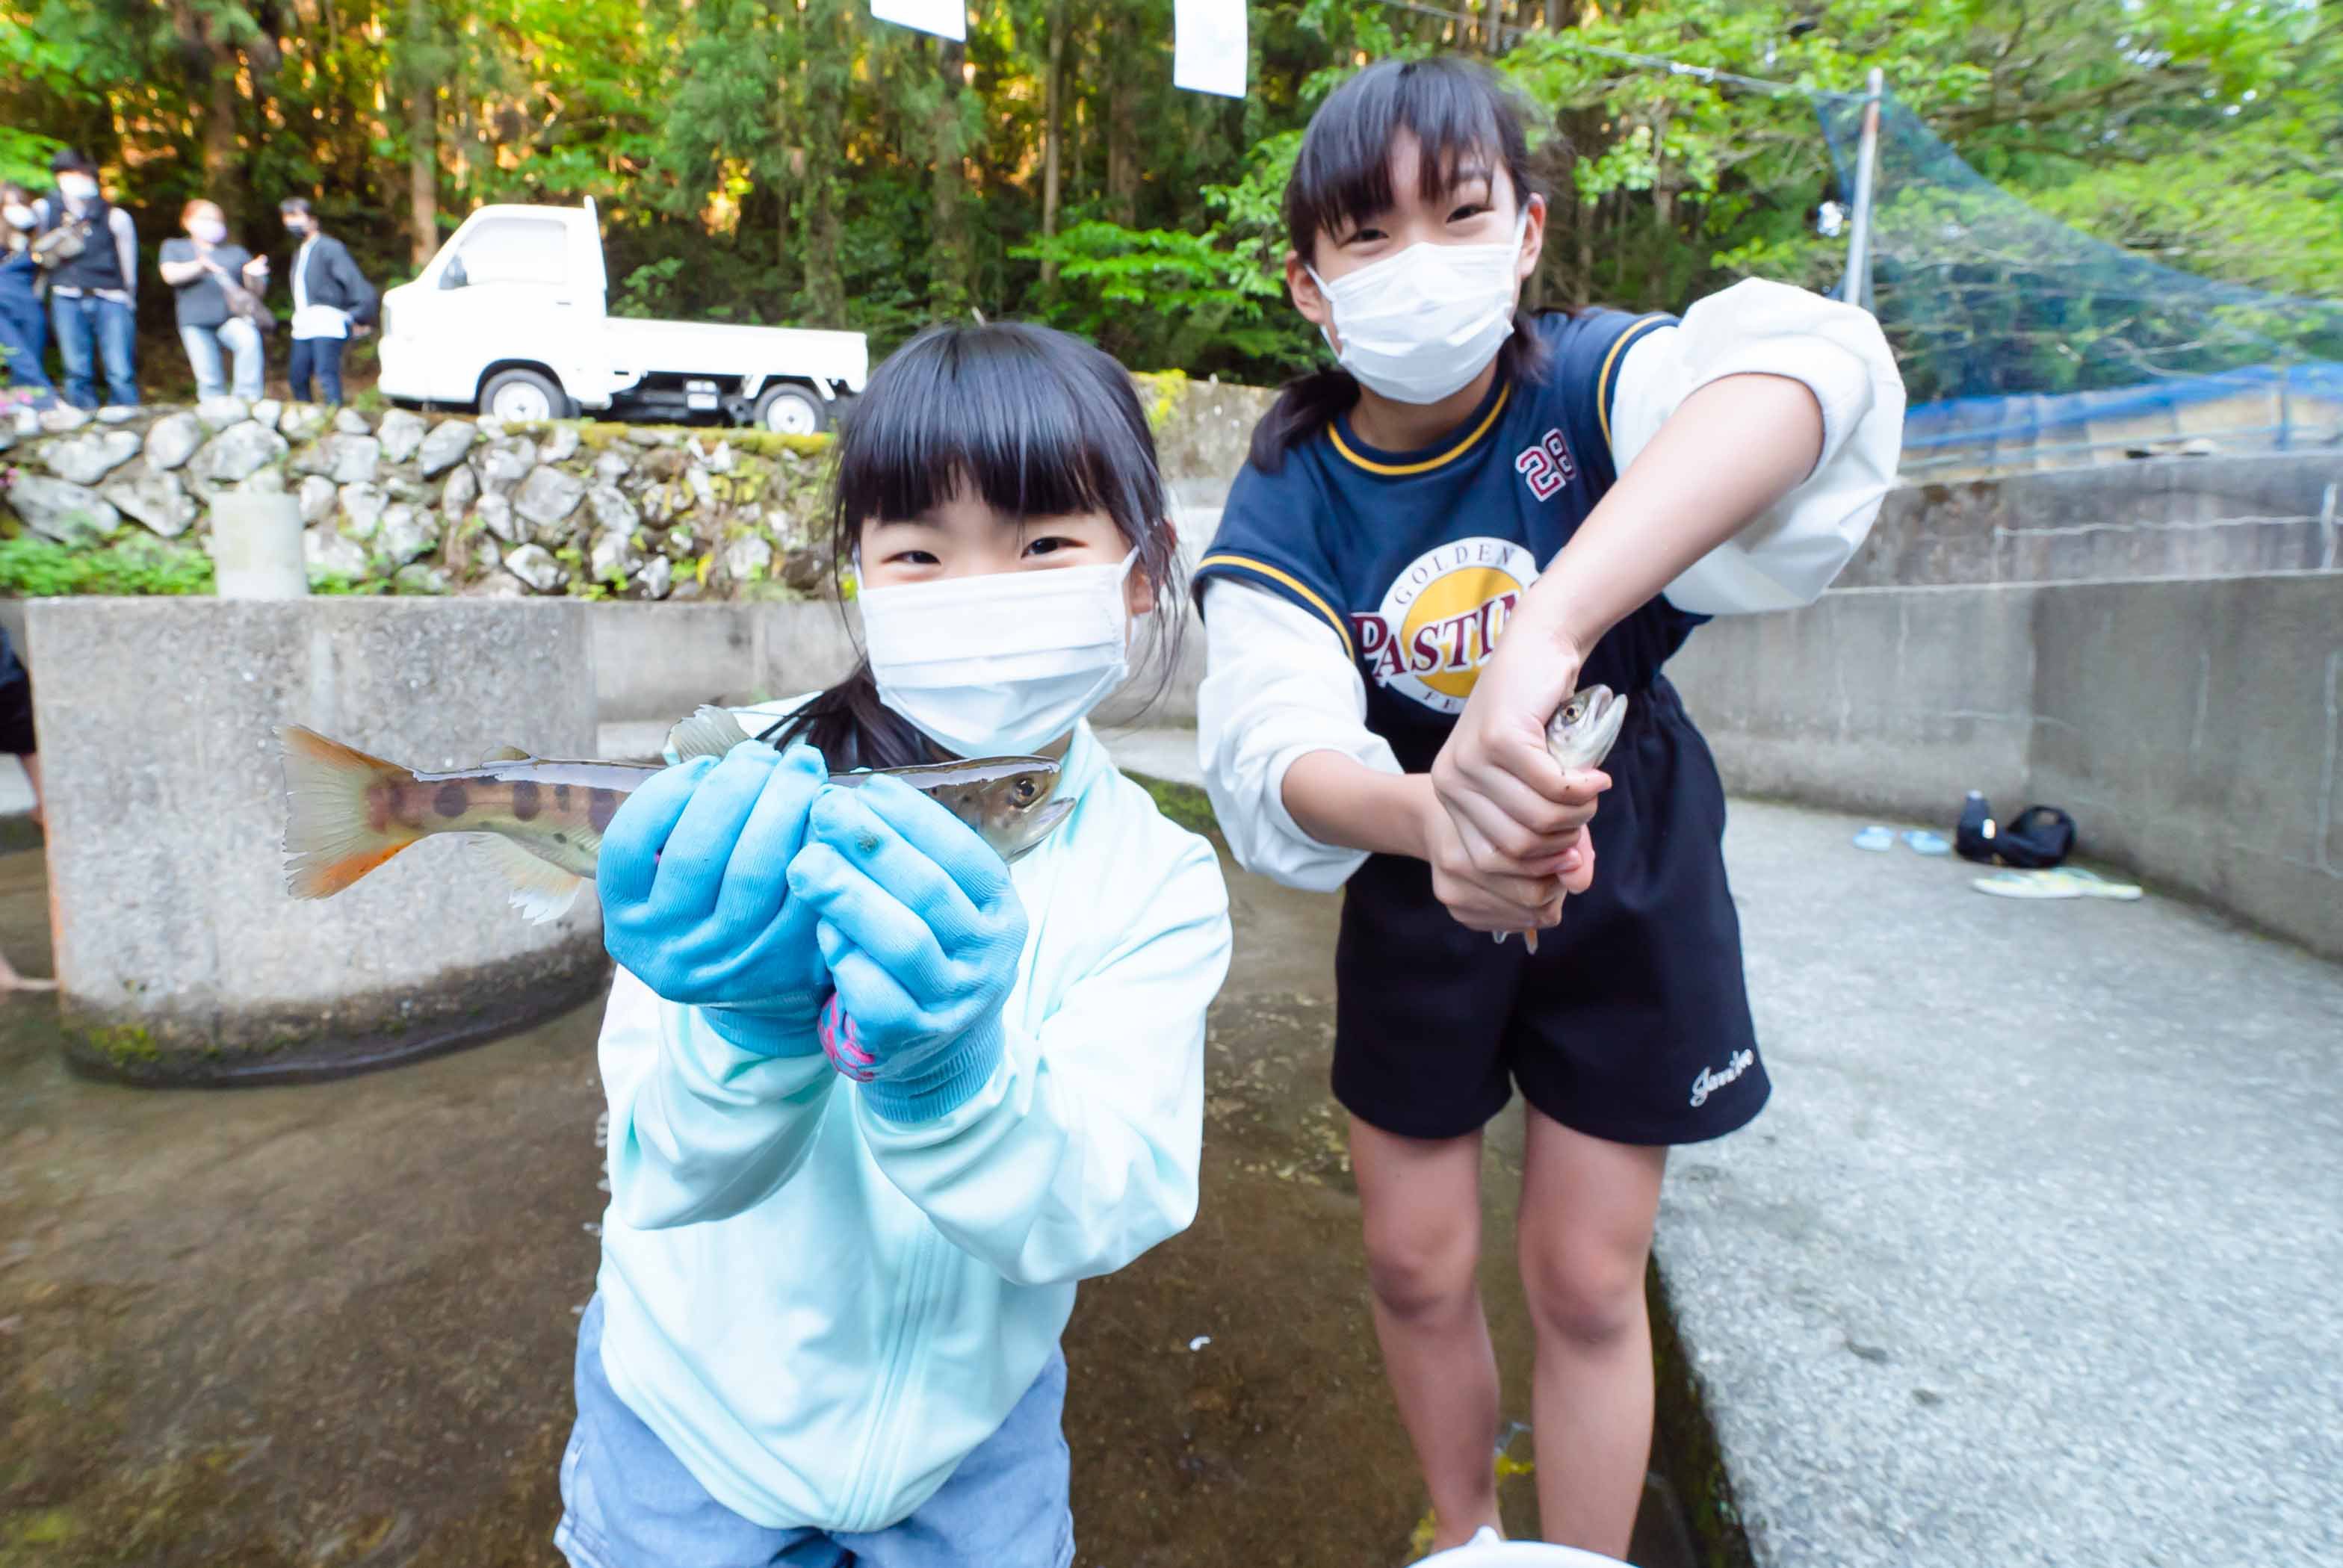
328 1326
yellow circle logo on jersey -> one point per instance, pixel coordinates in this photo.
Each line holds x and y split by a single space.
1441 619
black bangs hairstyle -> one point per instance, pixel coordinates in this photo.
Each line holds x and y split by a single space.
1459 112
1033 423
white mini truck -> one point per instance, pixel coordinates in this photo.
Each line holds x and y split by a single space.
511 319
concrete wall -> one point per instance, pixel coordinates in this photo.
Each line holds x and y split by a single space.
2190 727
661 661
181 957
2178 517
657 662
1877 699
2194 727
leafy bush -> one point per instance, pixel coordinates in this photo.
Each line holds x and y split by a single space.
36 567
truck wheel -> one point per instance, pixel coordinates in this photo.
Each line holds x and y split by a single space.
789 409
524 396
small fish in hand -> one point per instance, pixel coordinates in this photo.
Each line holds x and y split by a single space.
541 818
1580 735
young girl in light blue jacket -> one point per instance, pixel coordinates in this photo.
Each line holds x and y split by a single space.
833 1279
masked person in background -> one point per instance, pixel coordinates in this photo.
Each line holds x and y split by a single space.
24 326
879 1100
331 300
196 268
1429 549
89 250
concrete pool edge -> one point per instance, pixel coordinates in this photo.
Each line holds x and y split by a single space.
1685 1448
220 1048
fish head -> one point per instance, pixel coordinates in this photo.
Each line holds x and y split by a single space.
1011 802
1581 730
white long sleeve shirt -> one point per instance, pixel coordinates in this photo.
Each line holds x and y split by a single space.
822 1311
1282 682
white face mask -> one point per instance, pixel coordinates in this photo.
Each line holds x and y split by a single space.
18 217
1003 664
76 187
1418 325
210 230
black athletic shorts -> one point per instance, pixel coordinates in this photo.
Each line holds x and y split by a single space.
1630 1023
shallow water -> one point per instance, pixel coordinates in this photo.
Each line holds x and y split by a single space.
332 1325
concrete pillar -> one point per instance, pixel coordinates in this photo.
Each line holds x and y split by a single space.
182 959
257 546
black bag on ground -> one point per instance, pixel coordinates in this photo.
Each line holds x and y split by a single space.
2036 838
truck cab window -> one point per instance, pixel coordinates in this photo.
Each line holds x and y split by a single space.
528 251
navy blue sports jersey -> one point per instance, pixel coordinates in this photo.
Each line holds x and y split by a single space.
1416 559
1631 1023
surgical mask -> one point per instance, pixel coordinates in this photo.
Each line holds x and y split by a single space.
1419 326
296 226
18 215
210 230
76 187
1003 664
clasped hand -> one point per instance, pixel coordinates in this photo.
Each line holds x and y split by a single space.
1505 830
921 929
693 880
743 886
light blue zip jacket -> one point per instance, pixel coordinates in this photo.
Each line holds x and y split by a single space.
821 1312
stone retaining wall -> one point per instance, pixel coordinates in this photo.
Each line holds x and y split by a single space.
435 504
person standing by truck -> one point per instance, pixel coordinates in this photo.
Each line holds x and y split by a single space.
331 300
206 273
90 251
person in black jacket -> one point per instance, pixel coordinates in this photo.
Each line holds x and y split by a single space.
332 300
93 283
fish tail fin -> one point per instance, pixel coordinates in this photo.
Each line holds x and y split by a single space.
328 841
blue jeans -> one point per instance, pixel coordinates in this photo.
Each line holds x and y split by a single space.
89 329
24 338
240 338
323 357
629 1503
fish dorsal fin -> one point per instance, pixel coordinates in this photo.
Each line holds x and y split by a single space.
710 733
505 754
540 890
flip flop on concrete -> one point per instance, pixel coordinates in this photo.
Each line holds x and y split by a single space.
1921 841
1875 837
2065 882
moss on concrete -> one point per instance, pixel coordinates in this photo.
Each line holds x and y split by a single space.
1685 1444
166 1044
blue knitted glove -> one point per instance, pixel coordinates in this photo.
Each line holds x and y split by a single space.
695 894
922 930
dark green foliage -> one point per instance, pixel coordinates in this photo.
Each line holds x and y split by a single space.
779 162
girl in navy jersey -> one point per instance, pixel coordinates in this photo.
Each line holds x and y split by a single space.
1589 485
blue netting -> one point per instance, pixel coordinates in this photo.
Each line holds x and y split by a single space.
2012 326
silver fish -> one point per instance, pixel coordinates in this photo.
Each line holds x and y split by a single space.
1580 735
541 818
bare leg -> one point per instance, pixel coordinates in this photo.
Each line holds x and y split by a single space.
1585 1232
1421 1200
11 980
31 761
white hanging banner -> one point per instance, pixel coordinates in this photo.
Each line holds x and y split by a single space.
1208 46
944 18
